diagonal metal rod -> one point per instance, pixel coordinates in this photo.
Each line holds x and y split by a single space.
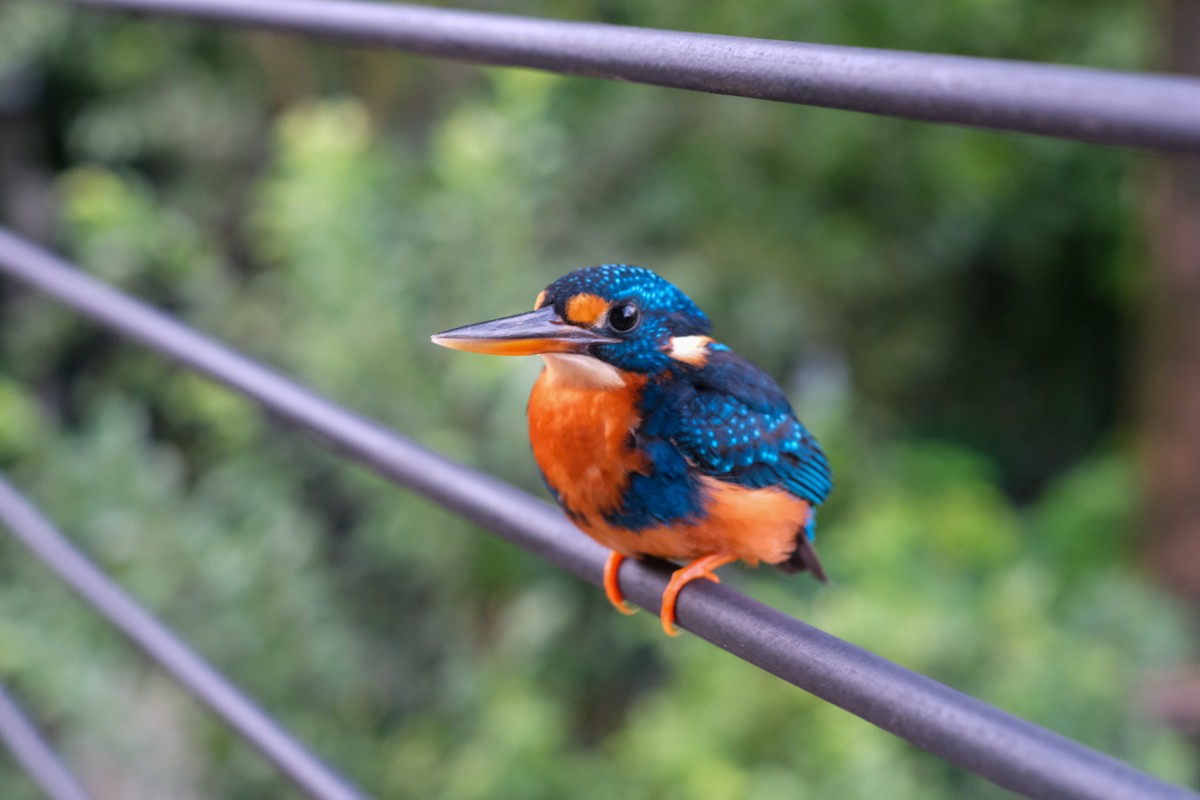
1002 748
1158 112
34 754
171 653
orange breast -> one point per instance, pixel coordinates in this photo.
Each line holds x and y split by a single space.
581 438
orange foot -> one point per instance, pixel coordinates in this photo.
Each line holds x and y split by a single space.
612 588
700 568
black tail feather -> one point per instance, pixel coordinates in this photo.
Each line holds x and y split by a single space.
804 558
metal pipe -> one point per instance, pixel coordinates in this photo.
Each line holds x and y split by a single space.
35 755
157 641
1158 112
1000 747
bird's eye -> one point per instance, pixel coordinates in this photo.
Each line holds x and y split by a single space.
624 318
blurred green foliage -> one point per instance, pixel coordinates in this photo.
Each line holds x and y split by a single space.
951 310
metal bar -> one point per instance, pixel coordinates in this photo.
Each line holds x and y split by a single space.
1158 112
35 755
1002 748
171 653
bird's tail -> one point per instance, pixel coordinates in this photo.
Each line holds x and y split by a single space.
804 557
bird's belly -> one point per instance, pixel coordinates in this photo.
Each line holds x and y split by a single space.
753 524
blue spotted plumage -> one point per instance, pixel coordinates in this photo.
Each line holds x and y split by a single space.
726 419
666 311
739 426
654 438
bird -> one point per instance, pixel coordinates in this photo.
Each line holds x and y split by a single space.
654 438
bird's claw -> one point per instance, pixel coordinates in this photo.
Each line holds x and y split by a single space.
700 568
612 587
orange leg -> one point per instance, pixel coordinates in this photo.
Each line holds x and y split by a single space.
612 588
700 568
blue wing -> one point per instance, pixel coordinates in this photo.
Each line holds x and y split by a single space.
737 425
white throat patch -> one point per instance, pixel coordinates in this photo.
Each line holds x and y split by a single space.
582 371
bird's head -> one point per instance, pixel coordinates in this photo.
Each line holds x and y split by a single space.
623 316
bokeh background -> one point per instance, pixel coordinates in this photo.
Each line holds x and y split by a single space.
981 328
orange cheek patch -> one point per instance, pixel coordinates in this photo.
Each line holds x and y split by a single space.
541 300
585 309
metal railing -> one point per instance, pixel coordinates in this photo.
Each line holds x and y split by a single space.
167 650
1157 112
35 754
1160 112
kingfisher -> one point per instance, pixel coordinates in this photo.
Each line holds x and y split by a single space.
655 439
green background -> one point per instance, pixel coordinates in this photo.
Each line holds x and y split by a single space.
955 313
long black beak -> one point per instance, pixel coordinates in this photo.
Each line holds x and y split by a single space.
539 331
